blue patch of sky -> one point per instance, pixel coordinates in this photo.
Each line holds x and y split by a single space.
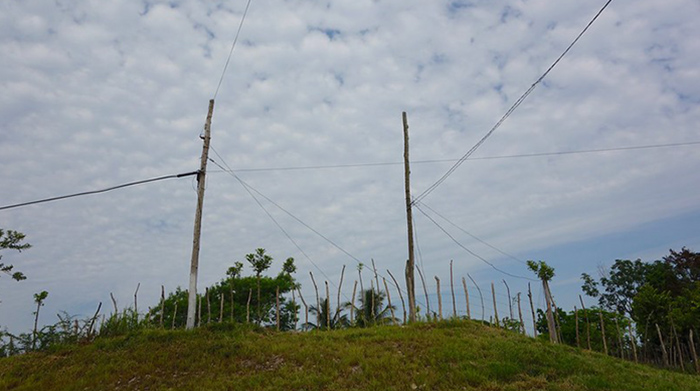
439 58
339 78
329 32
146 8
456 6
509 13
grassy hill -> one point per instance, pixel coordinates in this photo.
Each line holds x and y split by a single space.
455 355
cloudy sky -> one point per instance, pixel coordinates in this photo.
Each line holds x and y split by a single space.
95 94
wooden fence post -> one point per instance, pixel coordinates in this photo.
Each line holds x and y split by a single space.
247 306
495 309
588 323
510 299
694 353
342 274
403 305
663 346
425 290
481 296
277 307
328 307
318 302
578 339
520 315
162 304
678 345
602 331
619 339
633 342
174 316
221 307
352 304
466 296
388 298
306 307
439 297
206 294
532 309
452 288
199 310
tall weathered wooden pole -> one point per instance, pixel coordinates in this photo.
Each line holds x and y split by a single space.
411 263
194 265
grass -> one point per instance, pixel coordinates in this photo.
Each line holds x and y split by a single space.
451 355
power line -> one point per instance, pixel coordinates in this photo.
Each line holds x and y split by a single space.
515 105
473 236
468 250
233 45
99 191
524 155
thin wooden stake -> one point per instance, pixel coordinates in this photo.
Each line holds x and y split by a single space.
403 305
199 310
295 318
174 316
376 278
306 307
162 304
277 306
694 353
588 323
578 339
328 307
388 298
318 302
520 314
663 345
342 274
136 300
510 299
425 290
480 296
439 296
678 345
466 296
619 339
452 288
247 306
602 331
221 307
233 299
114 301
532 308
352 303
206 294
633 342
495 308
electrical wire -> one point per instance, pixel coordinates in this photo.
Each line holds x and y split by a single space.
515 105
526 155
468 250
99 191
473 236
233 45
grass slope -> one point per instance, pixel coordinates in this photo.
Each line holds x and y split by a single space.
455 355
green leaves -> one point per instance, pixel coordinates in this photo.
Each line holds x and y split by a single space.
541 269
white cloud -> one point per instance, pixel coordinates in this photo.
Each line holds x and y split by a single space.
95 94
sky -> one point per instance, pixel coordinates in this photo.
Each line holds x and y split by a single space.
95 94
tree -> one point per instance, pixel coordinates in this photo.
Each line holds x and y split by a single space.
370 312
260 262
12 240
337 320
545 273
39 300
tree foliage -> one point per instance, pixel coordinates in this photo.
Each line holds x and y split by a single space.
236 289
12 240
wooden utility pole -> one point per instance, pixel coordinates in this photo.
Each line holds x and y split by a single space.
194 265
411 263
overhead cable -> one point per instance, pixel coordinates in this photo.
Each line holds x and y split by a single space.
99 191
524 155
482 259
515 105
233 45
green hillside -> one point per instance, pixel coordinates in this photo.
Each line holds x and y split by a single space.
455 355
